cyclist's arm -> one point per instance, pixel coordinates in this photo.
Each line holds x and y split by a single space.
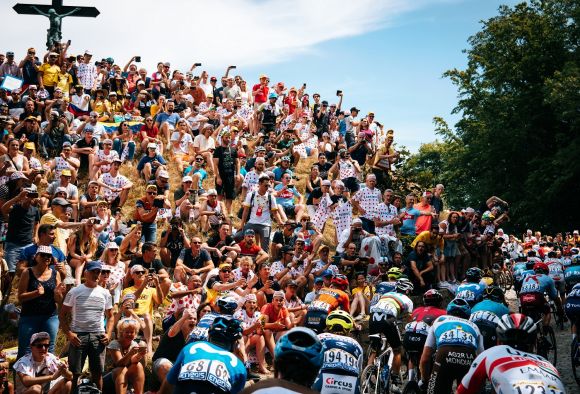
475 378
428 351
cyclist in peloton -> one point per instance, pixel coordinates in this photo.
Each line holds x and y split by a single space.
556 272
572 274
327 300
471 290
509 366
532 298
572 308
343 356
455 341
422 318
209 366
382 288
521 272
298 356
384 314
486 314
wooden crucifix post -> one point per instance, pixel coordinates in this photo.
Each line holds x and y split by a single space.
55 12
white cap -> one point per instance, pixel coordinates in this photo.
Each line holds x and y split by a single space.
186 178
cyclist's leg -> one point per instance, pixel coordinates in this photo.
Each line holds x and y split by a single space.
394 340
376 323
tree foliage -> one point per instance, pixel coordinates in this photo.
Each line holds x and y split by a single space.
519 101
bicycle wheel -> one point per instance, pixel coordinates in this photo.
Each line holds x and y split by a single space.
369 380
552 350
575 357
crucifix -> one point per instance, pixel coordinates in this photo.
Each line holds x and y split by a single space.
55 12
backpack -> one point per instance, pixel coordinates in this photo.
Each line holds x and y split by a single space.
241 211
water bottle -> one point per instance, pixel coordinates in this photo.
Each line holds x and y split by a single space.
385 374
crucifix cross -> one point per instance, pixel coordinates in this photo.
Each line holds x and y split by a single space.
55 12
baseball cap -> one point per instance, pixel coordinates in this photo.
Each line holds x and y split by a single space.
108 141
249 232
137 267
186 178
44 249
250 297
112 245
128 296
327 273
354 109
60 201
94 265
292 283
151 187
278 293
213 192
38 336
29 145
356 221
224 265
163 174
117 160
106 267
325 182
318 280
152 145
66 172
61 189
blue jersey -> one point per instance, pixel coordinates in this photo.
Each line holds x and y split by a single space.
519 269
488 312
343 361
383 288
470 292
200 332
539 284
572 275
454 331
202 367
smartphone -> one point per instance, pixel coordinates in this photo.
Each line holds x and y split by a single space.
41 171
290 186
304 85
271 278
136 305
338 92
192 88
68 42
232 67
32 194
138 59
158 203
197 64
151 270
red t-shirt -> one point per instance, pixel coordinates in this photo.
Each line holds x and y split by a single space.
281 315
262 96
247 250
150 131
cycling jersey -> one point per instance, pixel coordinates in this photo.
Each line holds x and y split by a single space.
486 315
329 299
200 332
393 304
572 276
518 271
427 314
572 305
470 292
497 308
343 360
202 367
511 371
454 331
415 336
538 284
556 269
388 286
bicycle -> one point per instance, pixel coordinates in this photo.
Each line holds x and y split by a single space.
546 342
559 320
376 378
412 385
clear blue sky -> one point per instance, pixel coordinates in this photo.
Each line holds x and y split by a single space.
386 55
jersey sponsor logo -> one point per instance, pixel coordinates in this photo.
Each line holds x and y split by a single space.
334 384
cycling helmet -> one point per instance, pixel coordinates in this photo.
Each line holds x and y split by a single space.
488 216
530 264
302 343
574 251
385 287
473 275
459 307
432 297
272 95
340 281
394 273
227 305
224 331
516 330
404 286
494 293
541 268
341 320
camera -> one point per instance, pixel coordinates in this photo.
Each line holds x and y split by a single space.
41 171
151 270
197 64
338 92
32 194
138 59
158 203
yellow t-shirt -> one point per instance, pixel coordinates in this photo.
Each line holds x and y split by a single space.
425 236
49 74
60 234
64 82
145 301
365 290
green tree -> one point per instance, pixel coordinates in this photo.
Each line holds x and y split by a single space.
518 136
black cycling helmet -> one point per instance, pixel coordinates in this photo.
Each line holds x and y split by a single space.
530 264
494 293
224 331
516 330
473 275
227 305
432 297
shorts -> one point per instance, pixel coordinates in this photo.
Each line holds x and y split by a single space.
90 347
560 286
381 323
316 320
572 309
227 189
336 381
488 331
12 254
158 363
451 364
570 284
290 211
413 342
534 302
451 249
351 184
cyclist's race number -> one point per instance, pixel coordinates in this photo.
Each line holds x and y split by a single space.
457 335
536 389
213 370
338 356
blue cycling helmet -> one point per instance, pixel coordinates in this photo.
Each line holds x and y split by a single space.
385 287
227 305
273 95
224 331
302 343
459 307
473 275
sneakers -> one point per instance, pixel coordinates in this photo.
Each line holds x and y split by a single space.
360 317
396 384
443 285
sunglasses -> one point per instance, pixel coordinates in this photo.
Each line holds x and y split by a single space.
41 345
151 193
105 272
140 272
228 271
196 242
45 255
199 159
